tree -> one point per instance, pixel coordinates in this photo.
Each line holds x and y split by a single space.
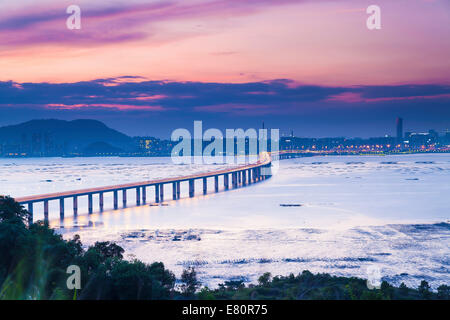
206 294
424 290
10 210
234 284
264 280
190 282
387 290
403 289
108 250
443 292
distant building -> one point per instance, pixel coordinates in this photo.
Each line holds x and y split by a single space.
399 129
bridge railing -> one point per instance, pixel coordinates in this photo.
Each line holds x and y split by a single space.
240 176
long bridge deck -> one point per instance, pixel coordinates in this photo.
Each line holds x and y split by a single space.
82 192
240 175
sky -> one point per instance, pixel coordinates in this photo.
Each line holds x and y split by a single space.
149 67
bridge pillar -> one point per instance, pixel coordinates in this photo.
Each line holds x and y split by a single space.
191 188
30 210
157 193
90 203
205 186
249 173
61 208
138 196
161 192
225 181
46 211
100 201
234 180
216 183
75 206
144 195
174 191
116 199
178 189
239 175
124 198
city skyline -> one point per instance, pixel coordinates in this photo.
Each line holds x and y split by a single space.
40 138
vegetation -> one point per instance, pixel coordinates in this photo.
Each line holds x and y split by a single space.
34 260
307 286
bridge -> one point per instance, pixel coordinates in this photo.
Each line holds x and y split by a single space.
240 176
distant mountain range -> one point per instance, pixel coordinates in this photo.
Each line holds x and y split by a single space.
52 137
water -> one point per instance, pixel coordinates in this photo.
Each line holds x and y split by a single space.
355 212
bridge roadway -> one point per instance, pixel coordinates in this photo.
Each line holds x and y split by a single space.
241 175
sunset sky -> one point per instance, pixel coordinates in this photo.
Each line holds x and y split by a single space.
147 67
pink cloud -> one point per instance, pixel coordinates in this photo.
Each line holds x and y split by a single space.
121 107
235 108
356 97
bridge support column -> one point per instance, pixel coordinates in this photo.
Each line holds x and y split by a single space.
100 201
116 200
124 198
75 206
161 192
30 210
90 203
216 183
239 175
234 180
225 181
205 186
244 177
249 173
178 189
46 211
157 193
138 196
144 195
61 208
191 188
174 191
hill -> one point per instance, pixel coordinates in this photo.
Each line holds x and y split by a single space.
56 137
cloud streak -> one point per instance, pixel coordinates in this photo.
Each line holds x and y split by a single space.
267 97
118 23
139 106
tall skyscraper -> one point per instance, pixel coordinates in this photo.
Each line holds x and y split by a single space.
399 129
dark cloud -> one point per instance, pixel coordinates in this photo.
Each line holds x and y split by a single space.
135 104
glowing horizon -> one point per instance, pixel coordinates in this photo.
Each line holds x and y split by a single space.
227 41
